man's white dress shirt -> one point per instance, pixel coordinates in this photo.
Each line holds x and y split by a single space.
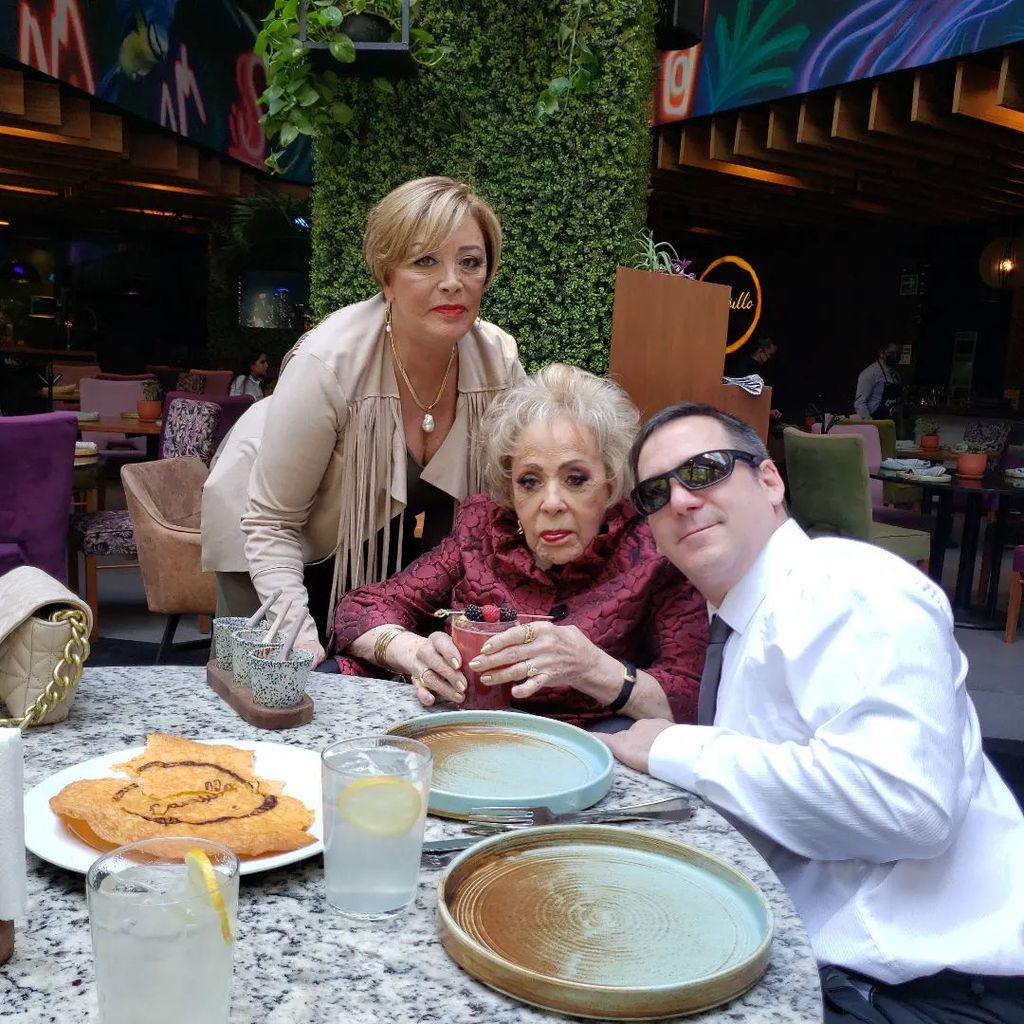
846 748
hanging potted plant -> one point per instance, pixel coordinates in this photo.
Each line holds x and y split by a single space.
150 405
928 431
309 46
971 461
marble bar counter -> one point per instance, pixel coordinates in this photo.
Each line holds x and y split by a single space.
296 960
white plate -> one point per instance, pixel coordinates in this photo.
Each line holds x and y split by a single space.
297 767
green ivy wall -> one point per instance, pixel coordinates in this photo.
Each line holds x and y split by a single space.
571 192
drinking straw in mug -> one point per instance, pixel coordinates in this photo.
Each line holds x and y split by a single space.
289 640
250 622
276 625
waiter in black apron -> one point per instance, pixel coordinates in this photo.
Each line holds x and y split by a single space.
880 389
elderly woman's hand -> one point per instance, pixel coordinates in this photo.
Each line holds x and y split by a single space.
539 654
433 665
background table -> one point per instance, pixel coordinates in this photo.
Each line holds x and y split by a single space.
130 426
296 959
994 484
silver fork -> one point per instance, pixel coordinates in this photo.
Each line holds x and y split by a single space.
485 820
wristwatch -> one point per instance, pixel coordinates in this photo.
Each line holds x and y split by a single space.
628 682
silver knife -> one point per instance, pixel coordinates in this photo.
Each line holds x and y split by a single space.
448 845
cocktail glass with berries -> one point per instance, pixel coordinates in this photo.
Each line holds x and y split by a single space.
471 630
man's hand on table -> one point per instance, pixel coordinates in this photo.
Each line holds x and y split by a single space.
633 746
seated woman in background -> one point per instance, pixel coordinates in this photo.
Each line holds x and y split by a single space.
555 537
251 377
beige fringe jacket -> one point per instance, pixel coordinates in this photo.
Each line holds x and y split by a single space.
320 466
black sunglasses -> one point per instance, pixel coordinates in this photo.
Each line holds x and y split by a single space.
704 470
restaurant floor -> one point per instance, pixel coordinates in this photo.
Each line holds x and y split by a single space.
129 635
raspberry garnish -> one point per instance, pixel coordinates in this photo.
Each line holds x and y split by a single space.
491 613
508 613
474 613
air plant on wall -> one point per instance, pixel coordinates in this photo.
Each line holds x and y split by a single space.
659 257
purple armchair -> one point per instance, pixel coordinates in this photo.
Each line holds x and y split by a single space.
38 456
231 409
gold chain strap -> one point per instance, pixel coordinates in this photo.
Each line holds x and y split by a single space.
66 673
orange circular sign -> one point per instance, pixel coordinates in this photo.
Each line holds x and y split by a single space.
745 305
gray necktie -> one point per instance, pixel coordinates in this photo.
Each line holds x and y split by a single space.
707 699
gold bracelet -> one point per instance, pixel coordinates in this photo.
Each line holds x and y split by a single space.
383 642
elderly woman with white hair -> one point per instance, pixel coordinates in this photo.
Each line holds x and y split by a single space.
623 632
355 465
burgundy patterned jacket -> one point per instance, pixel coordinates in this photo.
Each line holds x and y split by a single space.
626 598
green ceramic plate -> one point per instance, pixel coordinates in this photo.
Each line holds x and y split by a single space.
509 759
598 921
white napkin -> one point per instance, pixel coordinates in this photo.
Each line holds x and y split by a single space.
930 471
752 384
12 826
906 465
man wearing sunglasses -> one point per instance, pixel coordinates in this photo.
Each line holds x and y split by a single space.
834 727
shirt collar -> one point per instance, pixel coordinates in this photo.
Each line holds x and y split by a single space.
776 560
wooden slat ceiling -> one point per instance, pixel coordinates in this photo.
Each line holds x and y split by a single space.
64 155
939 145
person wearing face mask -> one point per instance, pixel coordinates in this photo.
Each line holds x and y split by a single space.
553 536
354 466
879 388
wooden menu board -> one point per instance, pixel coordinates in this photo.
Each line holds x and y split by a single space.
668 345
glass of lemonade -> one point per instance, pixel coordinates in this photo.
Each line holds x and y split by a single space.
164 916
376 791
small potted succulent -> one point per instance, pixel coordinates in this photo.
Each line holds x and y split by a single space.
150 405
971 461
928 431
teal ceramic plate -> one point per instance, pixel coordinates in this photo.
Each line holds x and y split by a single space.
597 921
509 759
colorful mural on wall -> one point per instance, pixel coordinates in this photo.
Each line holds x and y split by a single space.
755 50
187 65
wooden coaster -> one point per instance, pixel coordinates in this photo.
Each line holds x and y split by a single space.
6 940
240 698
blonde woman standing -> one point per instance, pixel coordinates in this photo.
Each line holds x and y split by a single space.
355 464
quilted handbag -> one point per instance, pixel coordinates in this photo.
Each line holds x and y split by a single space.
44 630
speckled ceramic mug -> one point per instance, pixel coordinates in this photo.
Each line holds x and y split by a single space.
222 643
278 684
242 642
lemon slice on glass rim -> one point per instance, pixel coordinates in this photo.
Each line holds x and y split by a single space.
380 805
204 878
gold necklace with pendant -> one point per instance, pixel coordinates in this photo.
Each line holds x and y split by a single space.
428 420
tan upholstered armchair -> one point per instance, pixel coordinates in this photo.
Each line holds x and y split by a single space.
164 500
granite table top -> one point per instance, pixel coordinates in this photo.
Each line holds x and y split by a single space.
296 960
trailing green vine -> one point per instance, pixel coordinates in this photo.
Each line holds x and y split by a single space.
582 66
299 99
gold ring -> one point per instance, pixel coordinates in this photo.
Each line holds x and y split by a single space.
532 669
530 634
421 676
